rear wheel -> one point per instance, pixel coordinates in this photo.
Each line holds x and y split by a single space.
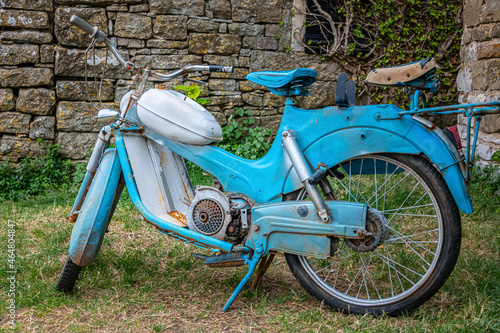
418 230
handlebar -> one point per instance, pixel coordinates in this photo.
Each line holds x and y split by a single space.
100 36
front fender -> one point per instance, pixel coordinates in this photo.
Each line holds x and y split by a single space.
93 219
340 145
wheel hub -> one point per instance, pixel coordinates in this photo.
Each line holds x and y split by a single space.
377 228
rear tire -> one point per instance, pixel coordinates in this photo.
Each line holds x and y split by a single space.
68 276
417 254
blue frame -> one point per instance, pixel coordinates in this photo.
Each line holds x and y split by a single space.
330 135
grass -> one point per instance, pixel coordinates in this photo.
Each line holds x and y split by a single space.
143 281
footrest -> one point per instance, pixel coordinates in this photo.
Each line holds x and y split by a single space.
223 260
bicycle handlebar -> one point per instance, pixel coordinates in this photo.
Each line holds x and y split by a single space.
94 32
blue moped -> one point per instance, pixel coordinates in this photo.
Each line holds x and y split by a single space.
363 200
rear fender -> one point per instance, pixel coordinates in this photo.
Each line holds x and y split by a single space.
351 142
100 202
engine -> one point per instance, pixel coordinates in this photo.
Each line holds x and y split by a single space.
214 214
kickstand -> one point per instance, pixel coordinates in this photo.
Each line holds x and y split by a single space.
263 266
251 268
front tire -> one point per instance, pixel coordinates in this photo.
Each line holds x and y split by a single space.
68 276
415 257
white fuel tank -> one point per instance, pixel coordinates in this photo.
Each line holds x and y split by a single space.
178 117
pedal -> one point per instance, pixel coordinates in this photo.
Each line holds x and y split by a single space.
351 93
223 260
340 96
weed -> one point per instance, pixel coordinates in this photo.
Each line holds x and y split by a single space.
242 139
35 175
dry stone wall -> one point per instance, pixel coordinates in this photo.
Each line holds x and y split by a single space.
479 78
43 93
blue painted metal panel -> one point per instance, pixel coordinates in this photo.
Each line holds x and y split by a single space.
90 227
277 222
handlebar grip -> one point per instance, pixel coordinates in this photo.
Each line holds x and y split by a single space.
217 68
78 22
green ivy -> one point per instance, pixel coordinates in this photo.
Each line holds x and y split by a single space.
242 138
403 31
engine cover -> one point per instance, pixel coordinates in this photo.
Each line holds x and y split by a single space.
209 212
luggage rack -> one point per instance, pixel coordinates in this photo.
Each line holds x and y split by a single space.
470 111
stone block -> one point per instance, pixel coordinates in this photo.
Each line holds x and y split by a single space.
491 124
464 80
14 122
223 28
123 86
238 73
488 50
244 61
260 43
486 75
79 116
220 8
252 98
468 52
16 148
43 128
165 44
221 60
271 61
481 33
69 35
40 101
117 8
220 84
243 29
76 146
273 101
33 37
77 90
16 54
491 11
483 151
139 8
133 26
178 7
99 2
321 94
47 53
228 101
24 19
7 101
26 77
260 11
472 12
170 27
71 62
272 123
45 5
166 61
202 25
214 43
136 43
246 86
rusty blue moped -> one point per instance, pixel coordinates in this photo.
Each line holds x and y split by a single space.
363 200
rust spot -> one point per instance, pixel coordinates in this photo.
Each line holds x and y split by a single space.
179 216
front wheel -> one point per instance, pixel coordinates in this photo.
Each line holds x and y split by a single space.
413 254
68 276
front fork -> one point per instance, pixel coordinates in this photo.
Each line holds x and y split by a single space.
92 165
